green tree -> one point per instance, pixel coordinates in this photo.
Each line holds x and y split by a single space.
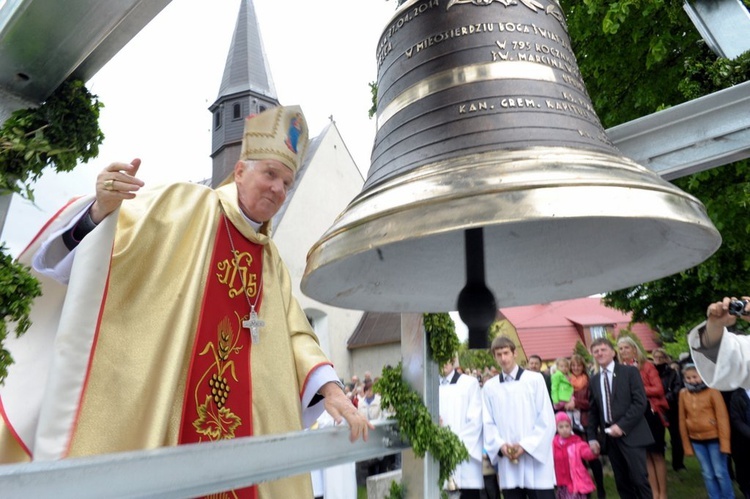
680 300
638 57
581 350
475 359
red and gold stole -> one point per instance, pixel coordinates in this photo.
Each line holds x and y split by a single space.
218 397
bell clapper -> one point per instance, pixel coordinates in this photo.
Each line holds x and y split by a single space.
476 303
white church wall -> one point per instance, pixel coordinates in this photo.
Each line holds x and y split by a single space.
375 358
331 181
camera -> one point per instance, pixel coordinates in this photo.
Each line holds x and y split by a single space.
737 307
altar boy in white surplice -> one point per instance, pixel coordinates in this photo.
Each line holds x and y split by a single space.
519 425
461 411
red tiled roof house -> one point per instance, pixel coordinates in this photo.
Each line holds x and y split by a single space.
551 330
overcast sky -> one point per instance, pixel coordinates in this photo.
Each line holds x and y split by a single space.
157 90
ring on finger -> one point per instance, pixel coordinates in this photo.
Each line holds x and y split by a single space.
109 184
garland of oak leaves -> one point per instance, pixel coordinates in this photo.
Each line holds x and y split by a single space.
413 418
61 132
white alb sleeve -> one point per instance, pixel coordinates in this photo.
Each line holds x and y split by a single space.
54 259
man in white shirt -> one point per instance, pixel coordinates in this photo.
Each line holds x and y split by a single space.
519 425
617 406
461 411
722 358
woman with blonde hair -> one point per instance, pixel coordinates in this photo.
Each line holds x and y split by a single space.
629 353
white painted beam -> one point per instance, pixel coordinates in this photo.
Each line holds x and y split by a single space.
195 469
419 475
710 131
723 24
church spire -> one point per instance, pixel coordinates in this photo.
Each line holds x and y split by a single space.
246 88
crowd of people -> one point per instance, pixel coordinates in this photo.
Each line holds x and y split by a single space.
362 394
100 324
615 411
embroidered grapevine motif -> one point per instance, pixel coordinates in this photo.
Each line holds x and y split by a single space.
215 420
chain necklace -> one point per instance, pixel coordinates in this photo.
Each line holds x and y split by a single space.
254 322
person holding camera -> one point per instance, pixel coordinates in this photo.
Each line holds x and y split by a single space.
722 358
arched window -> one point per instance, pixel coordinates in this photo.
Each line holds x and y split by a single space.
236 111
217 119
319 322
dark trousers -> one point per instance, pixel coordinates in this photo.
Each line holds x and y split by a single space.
491 488
678 454
595 465
597 471
742 468
528 493
470 494
629 467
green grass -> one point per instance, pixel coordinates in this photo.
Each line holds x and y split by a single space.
686 484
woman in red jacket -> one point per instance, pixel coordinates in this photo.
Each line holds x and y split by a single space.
629 353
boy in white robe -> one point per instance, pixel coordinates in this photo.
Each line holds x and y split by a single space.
519 425
461 411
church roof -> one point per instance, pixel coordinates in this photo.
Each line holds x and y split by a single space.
247 67
376 328
583 311
550 329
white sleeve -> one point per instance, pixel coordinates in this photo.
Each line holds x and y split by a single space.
54 259
471 433
319 377
539 442
732 367
491 436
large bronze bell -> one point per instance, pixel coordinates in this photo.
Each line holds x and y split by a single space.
488 150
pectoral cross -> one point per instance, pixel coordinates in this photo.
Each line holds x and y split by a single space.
254 323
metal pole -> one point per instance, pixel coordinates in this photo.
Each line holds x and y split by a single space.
419 476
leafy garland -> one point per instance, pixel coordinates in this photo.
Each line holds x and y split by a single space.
17 291
397 491
414 420
441 333
62 131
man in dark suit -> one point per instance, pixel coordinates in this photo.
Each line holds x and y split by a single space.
618 403
535 364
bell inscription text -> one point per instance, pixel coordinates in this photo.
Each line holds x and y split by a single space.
478 75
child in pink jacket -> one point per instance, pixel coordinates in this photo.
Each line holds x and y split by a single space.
569 450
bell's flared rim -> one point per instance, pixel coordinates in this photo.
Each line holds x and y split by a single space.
559 223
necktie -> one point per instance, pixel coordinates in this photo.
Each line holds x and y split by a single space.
607 397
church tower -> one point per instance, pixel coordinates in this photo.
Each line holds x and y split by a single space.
246 88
